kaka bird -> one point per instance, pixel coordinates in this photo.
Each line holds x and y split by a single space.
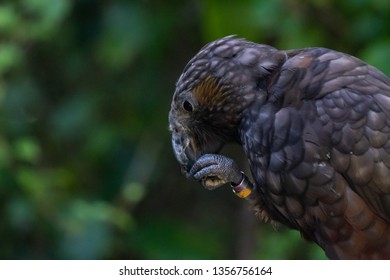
314 124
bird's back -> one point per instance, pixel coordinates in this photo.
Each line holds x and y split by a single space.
319 150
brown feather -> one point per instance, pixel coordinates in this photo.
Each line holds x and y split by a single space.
315 126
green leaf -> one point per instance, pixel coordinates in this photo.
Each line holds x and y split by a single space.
10 56
27 149
133 192
9 19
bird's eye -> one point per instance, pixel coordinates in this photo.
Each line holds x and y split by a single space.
188 106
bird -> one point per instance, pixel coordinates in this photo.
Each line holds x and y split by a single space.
314 124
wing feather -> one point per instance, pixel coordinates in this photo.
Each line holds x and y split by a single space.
352 102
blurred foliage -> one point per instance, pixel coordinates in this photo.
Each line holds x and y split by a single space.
86 168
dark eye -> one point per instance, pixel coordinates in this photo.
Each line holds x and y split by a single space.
188 106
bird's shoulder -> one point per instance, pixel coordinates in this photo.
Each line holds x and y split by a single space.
313 73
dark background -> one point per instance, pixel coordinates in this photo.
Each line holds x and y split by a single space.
86 166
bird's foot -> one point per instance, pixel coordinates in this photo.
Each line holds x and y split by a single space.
214 170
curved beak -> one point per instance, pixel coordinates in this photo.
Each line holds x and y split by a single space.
185 151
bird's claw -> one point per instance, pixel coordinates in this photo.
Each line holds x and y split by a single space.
214 170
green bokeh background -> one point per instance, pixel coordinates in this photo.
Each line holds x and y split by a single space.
86 167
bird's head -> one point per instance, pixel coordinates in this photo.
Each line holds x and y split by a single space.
223 79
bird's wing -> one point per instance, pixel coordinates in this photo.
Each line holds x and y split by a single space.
340 107
352 101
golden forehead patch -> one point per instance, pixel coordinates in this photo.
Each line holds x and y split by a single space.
207 91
